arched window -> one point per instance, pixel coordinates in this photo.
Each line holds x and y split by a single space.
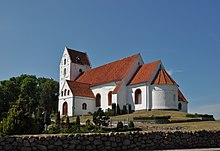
64 72
64 61
68 92
84 106
62 93
180 106
65 108
138 96
110 98
65 92
98 100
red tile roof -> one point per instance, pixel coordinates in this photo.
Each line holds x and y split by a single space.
117 88
181 97
80 89
163 78
114 71
145 72
74 55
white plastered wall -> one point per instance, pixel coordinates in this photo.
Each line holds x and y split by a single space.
184 106
131 96
78 101
75 70
68 99
103 90
164 96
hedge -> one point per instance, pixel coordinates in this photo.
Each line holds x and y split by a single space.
152 118
199 115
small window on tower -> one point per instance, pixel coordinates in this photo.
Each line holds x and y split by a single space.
64 72
64 61
78 60
80 70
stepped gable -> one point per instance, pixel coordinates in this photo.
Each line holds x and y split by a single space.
181 96
114 71
78 57
80 89
145 72
163 78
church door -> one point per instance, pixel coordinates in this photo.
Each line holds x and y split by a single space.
65 108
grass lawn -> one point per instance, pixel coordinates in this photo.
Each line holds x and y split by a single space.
175 115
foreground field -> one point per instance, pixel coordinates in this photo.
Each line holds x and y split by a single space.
175 116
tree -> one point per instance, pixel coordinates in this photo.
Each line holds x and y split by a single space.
78 120
100 118
118 109
48 94
58 118
19 120
67 122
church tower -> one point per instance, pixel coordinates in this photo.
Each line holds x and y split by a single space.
72 64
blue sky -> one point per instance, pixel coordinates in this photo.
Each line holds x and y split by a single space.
184 34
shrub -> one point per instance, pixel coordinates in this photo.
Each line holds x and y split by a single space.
118 109
151 118
110 112
131 124
78 120
58 118
199 115
120 125
67 122
54 129
100 118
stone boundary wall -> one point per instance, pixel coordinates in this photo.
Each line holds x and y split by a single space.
113 141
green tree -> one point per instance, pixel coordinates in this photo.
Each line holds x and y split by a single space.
100 118
78 120
19 120
48 94
58 118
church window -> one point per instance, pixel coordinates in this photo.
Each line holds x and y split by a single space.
138 96
84 106
68 92
180 106
65 92
110 98
62 93
64 72
80 70
98 100
64 61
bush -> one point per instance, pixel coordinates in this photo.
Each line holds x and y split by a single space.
152 118
77 121
118 110
110 112
58 118
199 115
131 124
120 125
54 129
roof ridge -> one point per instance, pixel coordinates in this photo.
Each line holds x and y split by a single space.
70 49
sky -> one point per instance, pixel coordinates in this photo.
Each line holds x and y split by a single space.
184 34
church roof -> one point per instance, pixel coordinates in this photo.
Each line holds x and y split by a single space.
78 57
114 71
163 78
80 89
181 97
145 72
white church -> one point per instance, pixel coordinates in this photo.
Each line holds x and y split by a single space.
125 82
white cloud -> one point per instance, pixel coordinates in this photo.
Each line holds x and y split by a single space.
171 71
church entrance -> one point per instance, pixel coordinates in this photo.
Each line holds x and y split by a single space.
65 108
